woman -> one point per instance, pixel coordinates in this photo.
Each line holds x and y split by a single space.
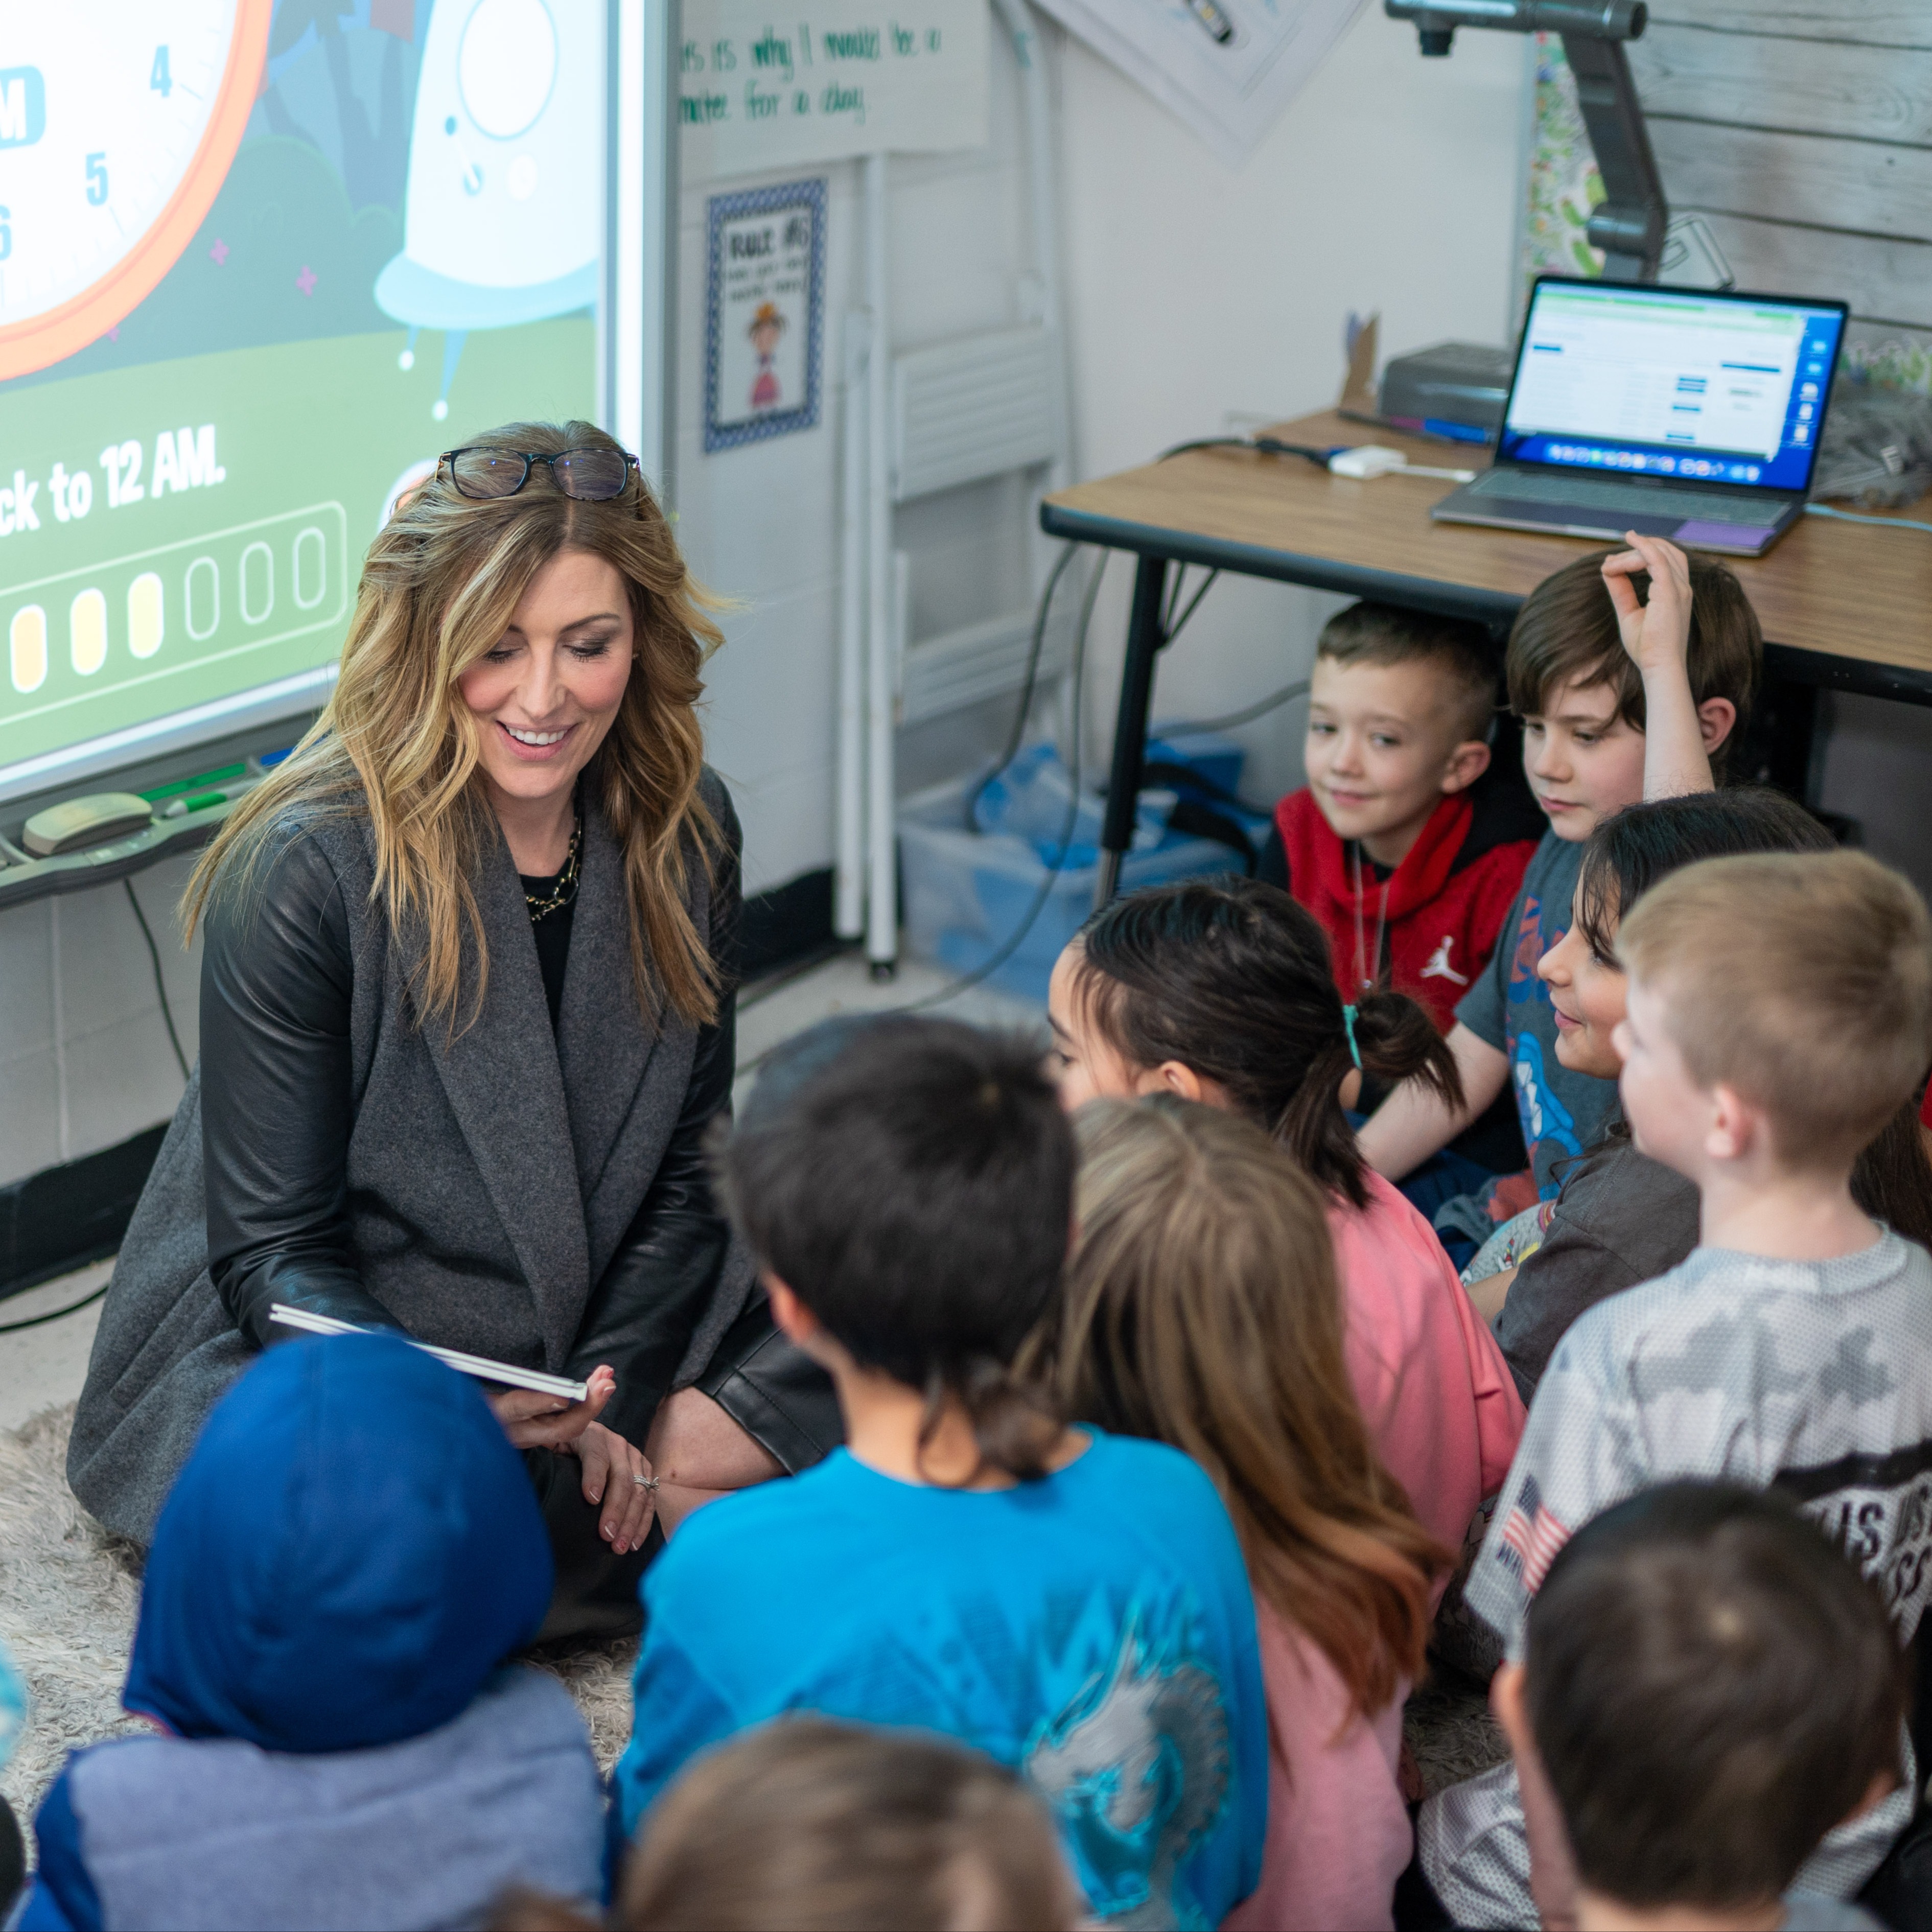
466 1012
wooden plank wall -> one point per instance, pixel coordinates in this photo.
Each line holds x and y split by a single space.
1801 131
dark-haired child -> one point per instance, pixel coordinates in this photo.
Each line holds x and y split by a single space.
1403 844
1071 1603
1622 1218
1629 671
1779 1013
1221 992
1708 1688
349 1552
819 1827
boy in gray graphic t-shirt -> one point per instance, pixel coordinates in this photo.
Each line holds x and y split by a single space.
1779 1012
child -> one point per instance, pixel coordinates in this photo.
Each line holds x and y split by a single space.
1708 1688
1779 1012
1622 1217
1620 700
348 1554
1200 1310
1222 992
1072 1603
1410 860
802 1825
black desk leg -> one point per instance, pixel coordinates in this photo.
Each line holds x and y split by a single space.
1145 637
1790 753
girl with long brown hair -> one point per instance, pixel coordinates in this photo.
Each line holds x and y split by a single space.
466 1012
1222 991
1200 1310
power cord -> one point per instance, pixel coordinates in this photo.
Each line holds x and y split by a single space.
54 1315
1853 517
1259 708
1264 446
1027 684
160 985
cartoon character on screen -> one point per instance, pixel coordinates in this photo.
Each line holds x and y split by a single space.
501 224
767 325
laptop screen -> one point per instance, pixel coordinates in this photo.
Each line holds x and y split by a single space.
1713 388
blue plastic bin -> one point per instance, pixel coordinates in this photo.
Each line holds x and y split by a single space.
965 893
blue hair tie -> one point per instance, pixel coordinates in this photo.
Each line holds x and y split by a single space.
1349 1028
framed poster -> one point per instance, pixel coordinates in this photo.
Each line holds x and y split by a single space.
764 312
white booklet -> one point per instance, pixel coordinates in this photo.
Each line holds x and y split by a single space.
479 1366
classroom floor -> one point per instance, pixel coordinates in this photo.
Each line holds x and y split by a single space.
42 1366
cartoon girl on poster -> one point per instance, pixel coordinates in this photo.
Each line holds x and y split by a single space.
767 325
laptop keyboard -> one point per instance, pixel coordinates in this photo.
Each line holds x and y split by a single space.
1589 493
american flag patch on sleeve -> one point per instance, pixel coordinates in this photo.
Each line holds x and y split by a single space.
1531 1537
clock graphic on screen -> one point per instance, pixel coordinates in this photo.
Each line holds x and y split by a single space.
118 120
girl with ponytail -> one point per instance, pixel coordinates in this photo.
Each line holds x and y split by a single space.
1221 992
1200 1309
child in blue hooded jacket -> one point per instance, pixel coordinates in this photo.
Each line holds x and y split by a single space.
342 1564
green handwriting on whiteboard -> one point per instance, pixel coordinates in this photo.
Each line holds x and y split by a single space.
781 71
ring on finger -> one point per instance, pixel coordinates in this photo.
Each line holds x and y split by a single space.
645 1482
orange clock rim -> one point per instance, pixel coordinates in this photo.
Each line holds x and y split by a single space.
26 346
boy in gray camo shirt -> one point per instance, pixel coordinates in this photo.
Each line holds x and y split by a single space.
1780 1010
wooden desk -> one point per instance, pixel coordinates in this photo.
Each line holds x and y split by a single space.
1844 606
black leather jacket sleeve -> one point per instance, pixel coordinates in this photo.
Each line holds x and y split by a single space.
275 1104
661 1278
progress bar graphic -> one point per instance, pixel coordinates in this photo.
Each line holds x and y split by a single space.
206 602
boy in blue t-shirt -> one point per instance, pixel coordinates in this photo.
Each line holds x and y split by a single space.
1622 698
1075 1604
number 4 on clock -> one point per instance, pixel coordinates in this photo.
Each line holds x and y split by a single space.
158 80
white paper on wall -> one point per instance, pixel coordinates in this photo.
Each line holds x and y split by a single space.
1225 67
825 80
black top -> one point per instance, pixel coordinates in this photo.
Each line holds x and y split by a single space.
552 934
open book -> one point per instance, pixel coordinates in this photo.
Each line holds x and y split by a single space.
479 1366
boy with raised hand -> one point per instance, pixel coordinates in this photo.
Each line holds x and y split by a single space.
1073 1603
1779 1011
1708 1688
1631 671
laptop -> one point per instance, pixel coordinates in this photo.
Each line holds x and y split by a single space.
1683 413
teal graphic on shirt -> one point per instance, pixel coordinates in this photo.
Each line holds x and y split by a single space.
1138 1772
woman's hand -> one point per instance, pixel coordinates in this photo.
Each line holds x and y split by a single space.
618 1477
534 1421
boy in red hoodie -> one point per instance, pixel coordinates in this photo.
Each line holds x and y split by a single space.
1403 844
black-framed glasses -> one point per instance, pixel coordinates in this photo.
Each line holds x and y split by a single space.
591 475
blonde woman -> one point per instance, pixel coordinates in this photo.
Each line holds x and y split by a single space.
466 1012
1200 1310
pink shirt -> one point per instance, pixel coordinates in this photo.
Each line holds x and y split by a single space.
1338 1833
1439 1399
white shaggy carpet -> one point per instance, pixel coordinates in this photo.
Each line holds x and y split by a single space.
67 1596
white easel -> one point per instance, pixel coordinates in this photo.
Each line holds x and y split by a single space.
917 422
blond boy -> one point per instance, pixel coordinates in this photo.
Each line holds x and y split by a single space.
1779 1013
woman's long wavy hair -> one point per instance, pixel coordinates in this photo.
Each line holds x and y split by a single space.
1200 1310
397 739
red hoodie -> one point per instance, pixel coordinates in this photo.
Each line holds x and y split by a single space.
1429 927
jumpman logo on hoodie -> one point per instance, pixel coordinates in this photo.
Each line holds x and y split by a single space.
1438 966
